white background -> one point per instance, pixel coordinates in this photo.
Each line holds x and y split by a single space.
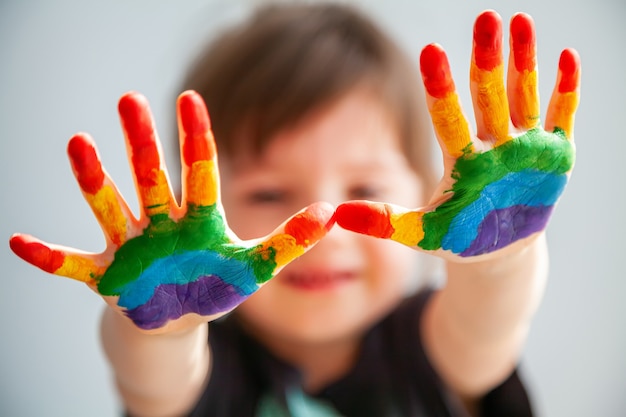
63 65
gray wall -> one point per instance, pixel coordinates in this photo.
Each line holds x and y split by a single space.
63 65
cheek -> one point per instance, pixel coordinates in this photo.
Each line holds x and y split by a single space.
245 227
247 222
390 262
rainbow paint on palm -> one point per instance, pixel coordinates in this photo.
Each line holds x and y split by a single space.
174 260
504 186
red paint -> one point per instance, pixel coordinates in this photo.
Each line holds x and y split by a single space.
311 225
196 127
488 40
523 42
137 122
85 163
436 71
37 253
367 218
569 66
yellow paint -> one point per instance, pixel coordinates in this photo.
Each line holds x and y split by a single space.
285 247
80 268
156 199
408 228
492 102
528 99
450 124
564 109
201 183
109 213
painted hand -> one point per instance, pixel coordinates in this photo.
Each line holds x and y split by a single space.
500 186
174 264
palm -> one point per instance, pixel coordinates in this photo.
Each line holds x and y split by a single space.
501 185
174 261
500 196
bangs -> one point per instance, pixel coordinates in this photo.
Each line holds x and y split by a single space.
287 60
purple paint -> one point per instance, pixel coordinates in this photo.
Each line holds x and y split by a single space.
205 296
502 227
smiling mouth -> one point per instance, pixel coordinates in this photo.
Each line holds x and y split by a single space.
317 281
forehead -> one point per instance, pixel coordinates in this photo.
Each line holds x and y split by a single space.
356 128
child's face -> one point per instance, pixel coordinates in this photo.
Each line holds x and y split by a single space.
347 150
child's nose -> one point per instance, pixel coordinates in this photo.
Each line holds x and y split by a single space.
330 191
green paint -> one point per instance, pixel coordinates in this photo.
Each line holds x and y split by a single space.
202 228
537 149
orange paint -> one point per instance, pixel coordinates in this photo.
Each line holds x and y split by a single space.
85 163
523 42
37 253
284 248
107 209
80 268
156 198
408 228
435 71
488 40
310 225
137 123
202 183
491 99
565 106
450 125
527 100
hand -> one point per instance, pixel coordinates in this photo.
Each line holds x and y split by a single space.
501 185
174 264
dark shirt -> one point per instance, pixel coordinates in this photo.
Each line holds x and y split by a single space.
392 376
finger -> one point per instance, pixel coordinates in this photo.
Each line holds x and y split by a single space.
154 192
443 102
564 101
522 88
381 220
294 237
487 79
198 154
56 259
98 189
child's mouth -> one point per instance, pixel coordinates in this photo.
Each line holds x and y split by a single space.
316 281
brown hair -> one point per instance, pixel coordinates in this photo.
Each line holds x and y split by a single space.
287 59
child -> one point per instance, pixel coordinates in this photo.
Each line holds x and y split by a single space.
313 103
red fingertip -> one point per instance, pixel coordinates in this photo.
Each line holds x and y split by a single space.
523 42
435 71
85 163
366 218
488 40
569 66
312 224
36 253
136 119
195 124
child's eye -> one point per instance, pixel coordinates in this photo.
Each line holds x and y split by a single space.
267 196
365 192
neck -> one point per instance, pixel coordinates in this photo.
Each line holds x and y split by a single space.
320 363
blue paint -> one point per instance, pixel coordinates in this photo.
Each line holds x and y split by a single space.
528 187
179 268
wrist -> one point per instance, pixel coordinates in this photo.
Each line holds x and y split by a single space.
526 257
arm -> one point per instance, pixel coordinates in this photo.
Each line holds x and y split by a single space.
489 215
156 375
474 328
167 273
